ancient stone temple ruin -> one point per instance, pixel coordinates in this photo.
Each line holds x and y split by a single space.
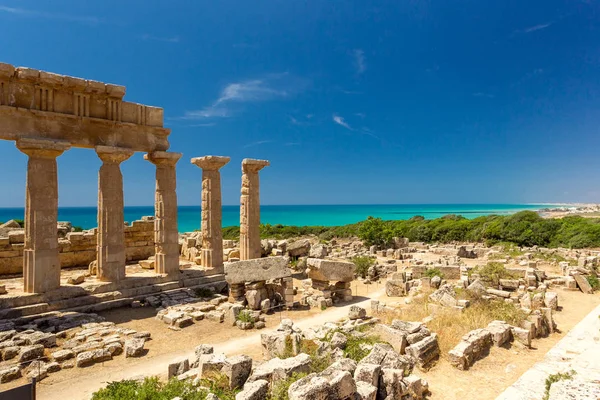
46 114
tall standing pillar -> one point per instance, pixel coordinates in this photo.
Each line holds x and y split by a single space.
111 224
250 209
166 236
41 265
212 236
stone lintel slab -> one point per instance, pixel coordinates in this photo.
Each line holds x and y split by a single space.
163 158
328 270
212 163
52 79
42 147
110 154
85 132
253 165
257 269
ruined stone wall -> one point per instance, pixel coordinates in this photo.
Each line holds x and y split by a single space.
78 249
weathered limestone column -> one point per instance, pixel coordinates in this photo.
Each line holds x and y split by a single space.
166 260
111 223
250 209
41 265
212 236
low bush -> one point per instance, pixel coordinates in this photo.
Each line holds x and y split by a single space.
594 282
363 263
492 272
150 389
245 316
279 389
357 346
555 378
431 272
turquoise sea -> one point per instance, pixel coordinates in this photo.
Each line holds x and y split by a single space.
301 215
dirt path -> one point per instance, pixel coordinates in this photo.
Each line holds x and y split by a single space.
80 383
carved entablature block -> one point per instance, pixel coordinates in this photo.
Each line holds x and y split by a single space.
84 112
44 91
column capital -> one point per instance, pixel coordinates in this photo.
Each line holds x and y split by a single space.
250 165
113 155
163 158
42 148
211 163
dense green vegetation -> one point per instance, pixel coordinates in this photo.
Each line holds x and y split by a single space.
525 228
149 389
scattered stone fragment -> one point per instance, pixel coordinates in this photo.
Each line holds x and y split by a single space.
134 347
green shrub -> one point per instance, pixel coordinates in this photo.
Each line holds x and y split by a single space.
149 389
362 265
374 231
594 282
355 347
492 272
431 272
555 378
279 390
245 316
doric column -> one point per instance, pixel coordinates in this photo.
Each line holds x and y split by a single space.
212 237
111 224
41 265
250 209
166 236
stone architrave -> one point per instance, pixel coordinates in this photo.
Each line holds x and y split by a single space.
165 205
212 236
41 264
250 209
111 224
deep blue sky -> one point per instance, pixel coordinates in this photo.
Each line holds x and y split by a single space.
352 101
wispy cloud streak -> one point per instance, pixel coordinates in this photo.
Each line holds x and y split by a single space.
272 87
340 121
257 143
49 15
359 61
537 27
168 39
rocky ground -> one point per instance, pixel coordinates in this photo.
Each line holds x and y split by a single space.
398 278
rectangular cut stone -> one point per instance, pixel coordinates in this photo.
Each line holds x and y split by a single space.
258 269
583 284
327 270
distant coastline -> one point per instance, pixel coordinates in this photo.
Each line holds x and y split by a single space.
309 215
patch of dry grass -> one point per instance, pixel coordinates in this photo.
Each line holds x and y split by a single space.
451 325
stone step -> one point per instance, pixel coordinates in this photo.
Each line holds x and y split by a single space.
107 300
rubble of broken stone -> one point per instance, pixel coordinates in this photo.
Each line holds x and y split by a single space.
36 347
386 372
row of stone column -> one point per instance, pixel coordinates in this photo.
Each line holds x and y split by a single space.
212 237
41 264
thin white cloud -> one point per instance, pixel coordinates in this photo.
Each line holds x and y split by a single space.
482 94
292 144
340 121
271 87
537 27
257 143
361 115
167 39
49 15
359 61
